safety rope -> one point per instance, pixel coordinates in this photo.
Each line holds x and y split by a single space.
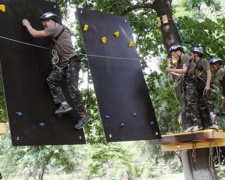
218 157
21 42
211 156
179 27
176 83
91 55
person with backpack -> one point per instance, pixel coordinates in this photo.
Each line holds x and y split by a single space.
66 64
202 83
184 67
216 63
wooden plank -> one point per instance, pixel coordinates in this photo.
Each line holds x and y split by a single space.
190 145
3 128
183 141
206 135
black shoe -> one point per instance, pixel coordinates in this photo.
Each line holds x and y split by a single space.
64 108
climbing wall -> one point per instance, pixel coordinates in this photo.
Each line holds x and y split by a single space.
24 71
123 98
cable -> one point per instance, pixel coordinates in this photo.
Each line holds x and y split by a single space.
91 55
21 42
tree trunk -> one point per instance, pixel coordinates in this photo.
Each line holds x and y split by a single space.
169 30
41 176
198 168
201 167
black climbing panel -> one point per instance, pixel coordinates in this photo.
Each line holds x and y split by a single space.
123 98
24 71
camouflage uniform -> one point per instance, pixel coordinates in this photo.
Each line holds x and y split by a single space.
71 73
200 103
66 65
185 103
190 93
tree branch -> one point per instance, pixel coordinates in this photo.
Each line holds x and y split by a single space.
138 6
219 38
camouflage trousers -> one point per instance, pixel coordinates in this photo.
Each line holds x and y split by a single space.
199 105
191 101
71 74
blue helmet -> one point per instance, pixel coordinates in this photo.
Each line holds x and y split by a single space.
216 60
175 48
197 49
48 15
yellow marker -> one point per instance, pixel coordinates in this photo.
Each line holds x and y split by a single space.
85 27
104 39
165 19
2 7
117 33
131 44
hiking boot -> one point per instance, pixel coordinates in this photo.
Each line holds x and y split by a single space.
215 126
82 122
64 108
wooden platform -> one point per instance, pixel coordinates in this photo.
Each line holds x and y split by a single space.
3 128
183 141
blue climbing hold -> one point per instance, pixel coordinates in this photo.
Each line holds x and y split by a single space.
122 125
42 124
134 114
107 116
152 123
19 114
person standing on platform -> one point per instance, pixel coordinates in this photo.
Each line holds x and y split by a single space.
185 67
202 83
216 63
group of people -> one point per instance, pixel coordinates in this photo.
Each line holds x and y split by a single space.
197 103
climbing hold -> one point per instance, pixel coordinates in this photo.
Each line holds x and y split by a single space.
122 125
110 135
19 114
104 39
42 124
85 27
134 114
107 117
117 33
2 7
152 123
131 44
